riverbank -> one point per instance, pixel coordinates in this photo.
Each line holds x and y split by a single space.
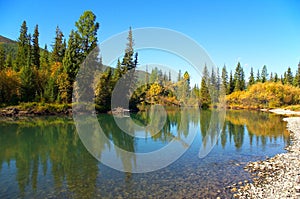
279 176
36 109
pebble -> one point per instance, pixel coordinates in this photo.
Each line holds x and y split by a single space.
275 177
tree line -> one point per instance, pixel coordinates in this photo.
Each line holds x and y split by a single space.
34 74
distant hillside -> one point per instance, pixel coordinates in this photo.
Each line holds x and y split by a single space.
4 40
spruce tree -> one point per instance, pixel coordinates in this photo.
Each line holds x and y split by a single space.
205 98
71 62
224 80
231 83
87 28
58 47
251 78
239 78
22 53
36 48
289 77
264 74
2 58
258 78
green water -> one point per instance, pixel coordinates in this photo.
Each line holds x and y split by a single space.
44 157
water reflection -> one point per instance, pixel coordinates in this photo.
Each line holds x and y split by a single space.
41 157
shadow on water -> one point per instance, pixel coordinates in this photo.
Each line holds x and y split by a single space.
44 157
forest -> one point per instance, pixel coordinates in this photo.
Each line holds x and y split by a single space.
30 74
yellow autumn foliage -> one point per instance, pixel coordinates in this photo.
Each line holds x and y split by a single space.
265 95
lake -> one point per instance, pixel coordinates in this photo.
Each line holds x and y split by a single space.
44 157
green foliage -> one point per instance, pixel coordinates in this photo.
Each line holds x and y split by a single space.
59 46
23 48
205 99
264 74
36 48
251 78
239 78
86 33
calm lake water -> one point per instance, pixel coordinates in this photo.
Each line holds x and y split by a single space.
44 157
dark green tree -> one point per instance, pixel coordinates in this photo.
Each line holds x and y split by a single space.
44 59
264 74
276 77
59 46
2 58
251 78
36 48
23 47
205 98
87 28
239 78
258 78
288 79
231 83
225 80
71 62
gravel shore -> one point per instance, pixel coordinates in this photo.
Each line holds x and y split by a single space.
279 176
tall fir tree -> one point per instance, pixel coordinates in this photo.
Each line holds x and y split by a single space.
2 58
36 48
239 78
71 62
264 74
224 76
258 77
251 78
87 28
23 48
45 59
231 83
288 79
205 98
59 46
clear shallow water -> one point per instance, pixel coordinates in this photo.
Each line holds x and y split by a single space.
45 158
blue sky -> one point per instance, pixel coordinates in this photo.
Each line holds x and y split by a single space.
255 32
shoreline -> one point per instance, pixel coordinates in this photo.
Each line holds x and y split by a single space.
278 176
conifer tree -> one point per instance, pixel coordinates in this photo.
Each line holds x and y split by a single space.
36 48
225 80
239 78
251 78
205 98
59 47
264 74
231 83
23 48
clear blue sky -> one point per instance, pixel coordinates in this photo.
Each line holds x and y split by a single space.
255 32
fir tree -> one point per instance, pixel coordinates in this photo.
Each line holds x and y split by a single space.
239 78
23 47
231 83
59 47
225 80
205 98
264 74
251 78
36 48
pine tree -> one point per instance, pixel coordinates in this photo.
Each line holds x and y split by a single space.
264 74
2 58
36 48
23 48
239 78
276 77
8 61
205 98
271 77
58 47
44 59
251 78
231 83
179 76
288 79
87 28
258 78
296 81
225 80
71 62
